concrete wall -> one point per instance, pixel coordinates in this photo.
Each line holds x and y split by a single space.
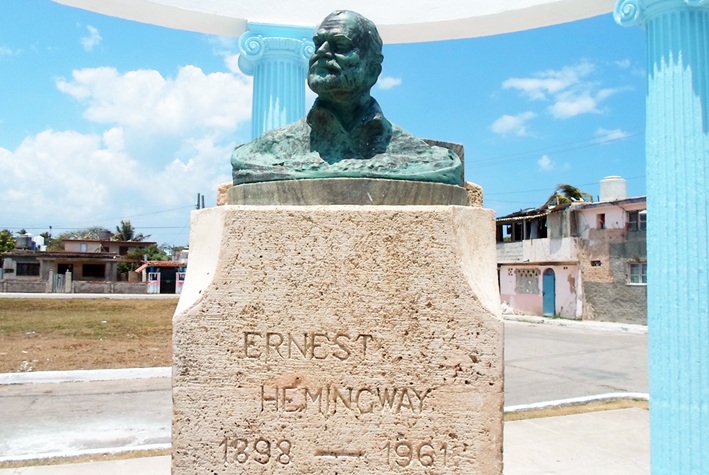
87 287
605 261
521 288
23 286
611 302
537 250
509 252
78 287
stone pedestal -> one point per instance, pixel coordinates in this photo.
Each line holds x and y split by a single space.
339 340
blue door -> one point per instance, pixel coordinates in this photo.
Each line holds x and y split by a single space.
549 292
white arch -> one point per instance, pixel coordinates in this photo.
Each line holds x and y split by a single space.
398 21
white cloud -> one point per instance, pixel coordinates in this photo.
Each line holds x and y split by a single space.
573 103
569 89
144 101
513 124
623 63
93 39
388 82
5 51
606 135
163 141
52 172
548 83
545 163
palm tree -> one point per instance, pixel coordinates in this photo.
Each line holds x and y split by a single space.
567 194
126 232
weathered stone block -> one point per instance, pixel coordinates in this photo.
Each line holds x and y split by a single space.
339 340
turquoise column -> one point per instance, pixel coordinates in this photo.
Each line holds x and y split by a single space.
277 57
677 149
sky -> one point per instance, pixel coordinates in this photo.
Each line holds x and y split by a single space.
103 119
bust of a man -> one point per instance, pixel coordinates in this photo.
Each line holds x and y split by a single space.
345 133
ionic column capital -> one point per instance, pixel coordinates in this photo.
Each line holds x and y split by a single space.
273 42
638 12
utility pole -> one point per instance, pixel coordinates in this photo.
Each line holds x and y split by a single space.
200 201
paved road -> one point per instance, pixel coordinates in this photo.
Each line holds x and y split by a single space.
80 417
542 363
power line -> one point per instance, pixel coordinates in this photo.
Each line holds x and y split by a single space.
554 149
517 192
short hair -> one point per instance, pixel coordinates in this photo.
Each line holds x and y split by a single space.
369 31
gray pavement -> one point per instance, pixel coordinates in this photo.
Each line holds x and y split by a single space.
551 361
609 443
543 362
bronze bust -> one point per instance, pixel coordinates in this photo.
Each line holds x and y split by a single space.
345 133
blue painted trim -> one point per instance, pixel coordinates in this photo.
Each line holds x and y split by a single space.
277 57
677 143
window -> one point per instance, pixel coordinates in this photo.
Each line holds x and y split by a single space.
29 269
93 270
637 220
83 247
638 273
601 221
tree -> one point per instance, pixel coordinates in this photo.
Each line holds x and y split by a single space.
94 232
567 194
126 232
133 259
153 252
51 243
7 243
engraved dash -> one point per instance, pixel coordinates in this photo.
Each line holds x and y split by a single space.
339 453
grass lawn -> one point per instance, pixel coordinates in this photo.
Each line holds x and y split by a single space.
69 334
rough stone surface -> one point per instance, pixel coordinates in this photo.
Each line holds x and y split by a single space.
222 191
347 191
339 340
475 194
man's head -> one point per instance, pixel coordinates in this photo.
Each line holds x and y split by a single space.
348 55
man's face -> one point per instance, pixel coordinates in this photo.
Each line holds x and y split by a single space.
341 61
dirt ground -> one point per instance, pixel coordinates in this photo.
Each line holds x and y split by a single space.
69 334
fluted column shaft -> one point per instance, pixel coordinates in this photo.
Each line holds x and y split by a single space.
677 149
277 57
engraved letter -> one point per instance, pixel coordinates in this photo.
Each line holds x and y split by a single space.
347 402
265 399
367 409
318 345
385 399
314 397
302 349
274 340
404 401
249 342
364 343
345 353
288 399
422 396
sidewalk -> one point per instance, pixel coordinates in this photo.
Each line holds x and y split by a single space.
609 442
588 324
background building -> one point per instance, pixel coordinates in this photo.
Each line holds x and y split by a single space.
578 260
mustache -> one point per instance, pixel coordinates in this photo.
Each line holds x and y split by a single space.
323 63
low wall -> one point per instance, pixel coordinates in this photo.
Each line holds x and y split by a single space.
23 286
86 287
616 302
79 287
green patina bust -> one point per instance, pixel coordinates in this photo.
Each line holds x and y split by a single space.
345 134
